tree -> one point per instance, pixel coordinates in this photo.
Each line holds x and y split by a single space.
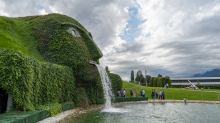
167 76
143 80
148 78
132 76
140 77
106 69
160 75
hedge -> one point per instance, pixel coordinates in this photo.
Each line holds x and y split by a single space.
123 99
29 116
160 81
32 83
23 117
144 84
116 82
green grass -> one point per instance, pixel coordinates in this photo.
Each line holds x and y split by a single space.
179 93
16 34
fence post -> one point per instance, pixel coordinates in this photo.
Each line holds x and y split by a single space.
218 96
173 96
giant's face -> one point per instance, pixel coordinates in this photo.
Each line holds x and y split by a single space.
62 40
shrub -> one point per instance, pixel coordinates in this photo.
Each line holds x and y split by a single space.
32 83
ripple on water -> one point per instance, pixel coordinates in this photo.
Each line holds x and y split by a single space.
115 110
159 113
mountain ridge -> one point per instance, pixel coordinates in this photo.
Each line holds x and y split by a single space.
213 73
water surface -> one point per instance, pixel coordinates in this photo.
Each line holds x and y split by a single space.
153 112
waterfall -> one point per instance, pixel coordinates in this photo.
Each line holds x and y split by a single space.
106 85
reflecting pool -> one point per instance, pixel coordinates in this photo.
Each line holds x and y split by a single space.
153 112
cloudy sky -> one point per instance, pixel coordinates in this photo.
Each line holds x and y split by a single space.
176 38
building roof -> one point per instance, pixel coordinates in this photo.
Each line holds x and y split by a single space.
195 78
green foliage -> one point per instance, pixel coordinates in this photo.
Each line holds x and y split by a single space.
52 108
17 34
61 47
23 117
132 76
155 82
148 78
159 75
95 91
138 76
151 82
106 69
123 99
160 81
32 83
116 82
179 93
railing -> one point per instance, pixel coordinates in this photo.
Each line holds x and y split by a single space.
176 96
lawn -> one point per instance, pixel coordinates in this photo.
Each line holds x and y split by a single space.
18 35
179 93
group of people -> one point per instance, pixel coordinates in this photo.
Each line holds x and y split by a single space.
142 93
155 95
160 94
122 93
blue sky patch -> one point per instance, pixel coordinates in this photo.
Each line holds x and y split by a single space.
132 26
39 7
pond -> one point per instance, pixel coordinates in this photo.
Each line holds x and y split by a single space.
153 112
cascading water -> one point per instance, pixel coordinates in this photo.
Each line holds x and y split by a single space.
106 84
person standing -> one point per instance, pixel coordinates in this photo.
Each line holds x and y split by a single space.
122 93
131 93
163 94
143 92
160 95
152 94
167 85
156 94
125 94
118 93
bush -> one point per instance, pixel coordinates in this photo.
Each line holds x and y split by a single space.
116 82
32 83
160 81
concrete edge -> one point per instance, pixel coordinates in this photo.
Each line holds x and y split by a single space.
79 110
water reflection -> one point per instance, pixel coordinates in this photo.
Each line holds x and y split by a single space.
154 112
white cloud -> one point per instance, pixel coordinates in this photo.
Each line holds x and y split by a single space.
178 38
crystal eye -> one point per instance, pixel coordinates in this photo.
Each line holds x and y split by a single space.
73 32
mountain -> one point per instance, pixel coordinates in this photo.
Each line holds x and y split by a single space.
213 73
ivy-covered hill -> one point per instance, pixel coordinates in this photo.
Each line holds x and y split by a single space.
16 34
44 60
